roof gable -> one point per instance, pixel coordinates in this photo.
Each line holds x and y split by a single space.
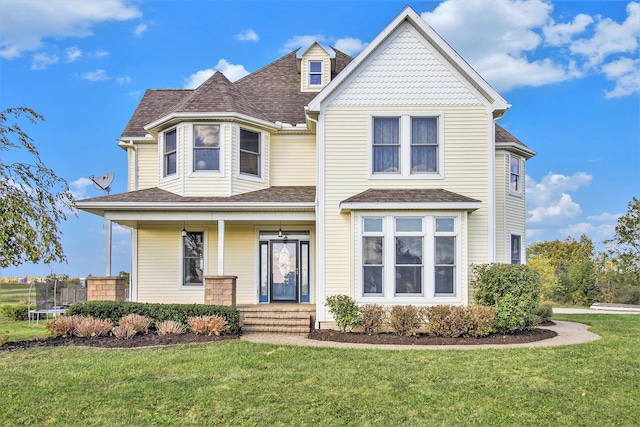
489 95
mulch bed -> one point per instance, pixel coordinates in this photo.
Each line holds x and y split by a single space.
138 341
386 338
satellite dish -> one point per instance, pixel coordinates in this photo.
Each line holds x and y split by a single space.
103 181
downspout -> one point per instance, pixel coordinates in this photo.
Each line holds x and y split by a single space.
320 266
133 147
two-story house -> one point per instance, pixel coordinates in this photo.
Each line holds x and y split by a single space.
384 177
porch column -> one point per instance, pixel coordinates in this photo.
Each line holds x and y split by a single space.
107 233
220 290
110 288
221 247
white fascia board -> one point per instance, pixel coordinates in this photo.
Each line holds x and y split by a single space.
408 14
458 206
308 216
214 116
526 152
194 206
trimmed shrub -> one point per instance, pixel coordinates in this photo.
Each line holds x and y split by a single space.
514 290
63 326
374 317
170 327
138 323
208 325
15 312
344 310
454 321
115 310
406 319
631 296
89 327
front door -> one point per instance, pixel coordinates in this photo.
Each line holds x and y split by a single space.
284 270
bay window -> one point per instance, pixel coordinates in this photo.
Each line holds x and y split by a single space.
250 152
409 258
170 155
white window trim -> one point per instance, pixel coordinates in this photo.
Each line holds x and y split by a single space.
518 191
174 176
309 73
244 176
205 173
428 262
509 259
405 146
181 285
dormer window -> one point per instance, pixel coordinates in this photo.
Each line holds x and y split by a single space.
315 73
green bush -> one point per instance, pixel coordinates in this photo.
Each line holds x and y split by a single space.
15 312
344 310
514 291
406 319
631 296
544 312
115 310
455 321
374 317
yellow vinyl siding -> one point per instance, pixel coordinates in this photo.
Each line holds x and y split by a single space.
502 188
239 260
347 168
293 160
147 166
203 184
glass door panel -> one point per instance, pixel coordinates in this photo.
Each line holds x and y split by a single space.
284 270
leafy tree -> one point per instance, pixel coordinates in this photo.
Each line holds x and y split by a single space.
625 245
33 199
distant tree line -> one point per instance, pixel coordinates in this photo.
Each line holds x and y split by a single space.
572 272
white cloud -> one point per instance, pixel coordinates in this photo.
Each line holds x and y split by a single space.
123 80
611 37
303 42
42 60
79 187
555 212
26 23
232 71
73 54
626 73
606 216
141 28
552 186
99 54
247 35
561 34
95 76
350 46
598 233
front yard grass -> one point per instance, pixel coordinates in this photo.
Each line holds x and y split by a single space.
241 383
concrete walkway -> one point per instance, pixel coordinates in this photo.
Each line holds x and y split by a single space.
568 333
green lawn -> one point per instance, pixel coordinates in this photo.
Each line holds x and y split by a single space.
14 293
240 383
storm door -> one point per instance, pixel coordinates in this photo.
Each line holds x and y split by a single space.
284 270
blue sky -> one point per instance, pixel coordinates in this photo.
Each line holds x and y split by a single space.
570 69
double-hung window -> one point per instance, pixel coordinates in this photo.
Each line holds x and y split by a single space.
193 259
386 144
372 256
206 148
170 153
515 180
407 145
408 260
516 249
315 73
250 153
444 257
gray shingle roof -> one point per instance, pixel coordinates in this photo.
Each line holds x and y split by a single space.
283 195
271 93
413 195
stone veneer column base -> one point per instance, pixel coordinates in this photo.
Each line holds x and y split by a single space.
111 288
220 290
